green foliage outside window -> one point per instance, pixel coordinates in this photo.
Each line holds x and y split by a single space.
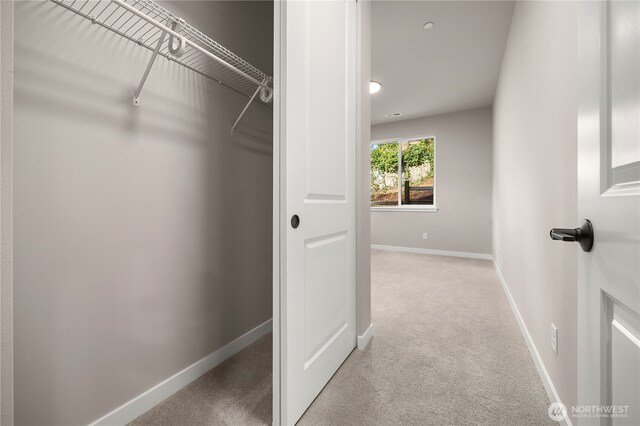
384 157
417 177
418 153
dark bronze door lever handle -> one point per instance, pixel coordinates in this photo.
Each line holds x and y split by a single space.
582 235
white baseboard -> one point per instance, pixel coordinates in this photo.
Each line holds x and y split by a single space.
363 340
152 397
434 252
542 371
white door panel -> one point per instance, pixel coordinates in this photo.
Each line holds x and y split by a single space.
609 195
318 137
624 68
624 369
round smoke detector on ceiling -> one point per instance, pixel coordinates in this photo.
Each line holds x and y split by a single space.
428 25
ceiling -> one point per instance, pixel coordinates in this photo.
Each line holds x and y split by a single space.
452 67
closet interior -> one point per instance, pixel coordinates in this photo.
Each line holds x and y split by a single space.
142 210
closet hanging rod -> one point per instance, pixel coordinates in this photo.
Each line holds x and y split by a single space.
148 24
123 22
189 43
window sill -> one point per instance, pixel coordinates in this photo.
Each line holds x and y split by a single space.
421 209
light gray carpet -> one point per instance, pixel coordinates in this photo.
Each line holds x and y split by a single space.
237 392
446 351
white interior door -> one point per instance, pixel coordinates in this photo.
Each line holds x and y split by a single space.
317 144
609 195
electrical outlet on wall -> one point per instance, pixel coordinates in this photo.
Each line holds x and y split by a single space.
554 338
424 235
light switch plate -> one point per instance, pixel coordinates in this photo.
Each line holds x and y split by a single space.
554 338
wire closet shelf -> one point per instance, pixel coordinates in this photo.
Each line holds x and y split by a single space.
152 26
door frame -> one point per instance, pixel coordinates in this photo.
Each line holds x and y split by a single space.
278 208
362 237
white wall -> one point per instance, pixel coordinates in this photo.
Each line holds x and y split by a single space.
142 235
463 185
535 178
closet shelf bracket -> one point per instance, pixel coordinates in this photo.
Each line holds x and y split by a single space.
265 96
136 95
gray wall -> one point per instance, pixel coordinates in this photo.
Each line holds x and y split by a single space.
6 202
463 185
535 178
142 235
363 235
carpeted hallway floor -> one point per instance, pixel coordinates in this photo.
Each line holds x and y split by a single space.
446 351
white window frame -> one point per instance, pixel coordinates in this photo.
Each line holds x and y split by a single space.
408 208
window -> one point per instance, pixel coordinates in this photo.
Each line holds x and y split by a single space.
403 174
